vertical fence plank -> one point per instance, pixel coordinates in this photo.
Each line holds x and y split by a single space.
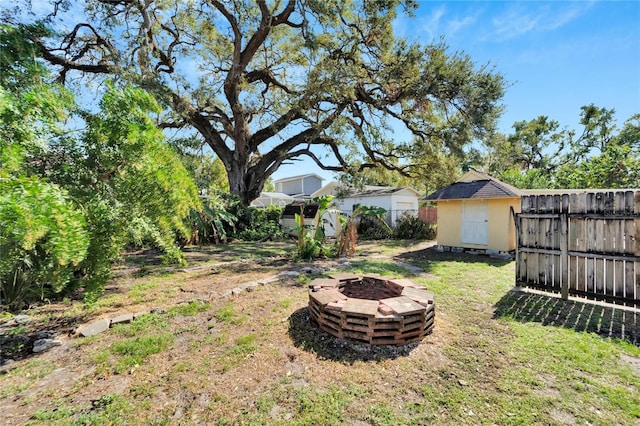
591 274
616 236
582 268
607 235
636 266
573 235
636 233
600 235
522 267
532 268
543 271
629 280
599 202
630 236
616 270
580 243
619 203
633 202
573 273
619 273
599 276
561 272
524 204
564 255
549 203
591 235
609 283
548 233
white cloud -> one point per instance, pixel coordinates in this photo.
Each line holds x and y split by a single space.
431 24
519 19
438 21
455 25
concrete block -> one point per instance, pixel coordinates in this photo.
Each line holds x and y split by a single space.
94 328
124 318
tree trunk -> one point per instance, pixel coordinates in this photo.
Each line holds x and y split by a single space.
247 184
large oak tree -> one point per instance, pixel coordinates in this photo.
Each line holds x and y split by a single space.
269 82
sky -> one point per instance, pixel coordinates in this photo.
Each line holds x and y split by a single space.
556 56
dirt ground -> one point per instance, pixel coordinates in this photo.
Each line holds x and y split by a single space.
201 378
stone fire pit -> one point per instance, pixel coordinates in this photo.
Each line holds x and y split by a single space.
372 309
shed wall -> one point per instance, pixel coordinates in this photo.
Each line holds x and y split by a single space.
502 236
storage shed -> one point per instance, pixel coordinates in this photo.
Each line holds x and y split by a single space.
475 213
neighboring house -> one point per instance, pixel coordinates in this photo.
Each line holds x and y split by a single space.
272 198
299 186
476 213
396 201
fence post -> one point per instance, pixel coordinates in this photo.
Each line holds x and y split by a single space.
564 255
516 223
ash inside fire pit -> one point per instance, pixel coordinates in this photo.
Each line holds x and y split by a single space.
370 289
371 310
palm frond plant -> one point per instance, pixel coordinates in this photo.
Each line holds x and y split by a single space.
311 239
208 223
348 235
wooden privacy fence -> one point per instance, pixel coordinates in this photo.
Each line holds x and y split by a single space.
584 244
428 214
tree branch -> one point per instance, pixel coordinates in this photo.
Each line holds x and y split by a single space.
267 77
197 120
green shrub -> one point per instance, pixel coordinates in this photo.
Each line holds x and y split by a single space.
410 227
252 223
373 229
42 238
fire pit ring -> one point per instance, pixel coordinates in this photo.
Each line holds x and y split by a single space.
372 309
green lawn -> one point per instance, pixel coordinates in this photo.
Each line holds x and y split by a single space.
495 357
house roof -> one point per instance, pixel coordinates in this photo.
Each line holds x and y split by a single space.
376 191
368 191
287 179
488 187
274 195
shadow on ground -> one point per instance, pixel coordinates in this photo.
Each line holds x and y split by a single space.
587 317
426 256
16 341
309 337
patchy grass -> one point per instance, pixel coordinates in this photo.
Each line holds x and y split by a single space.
495 357
189 309
227 314
23 377
107 409
125 354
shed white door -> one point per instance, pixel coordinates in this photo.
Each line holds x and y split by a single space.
475 222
